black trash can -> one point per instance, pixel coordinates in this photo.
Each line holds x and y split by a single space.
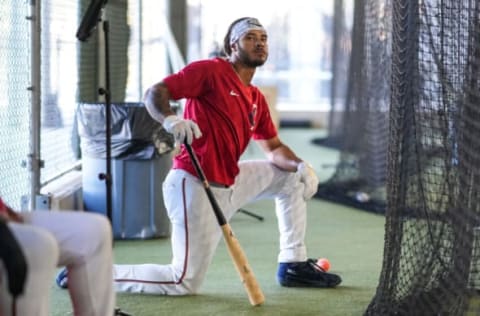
141 156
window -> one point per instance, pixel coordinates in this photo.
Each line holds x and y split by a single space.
300 41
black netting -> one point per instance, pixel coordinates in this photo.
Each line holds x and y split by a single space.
341 53
362 134
411 149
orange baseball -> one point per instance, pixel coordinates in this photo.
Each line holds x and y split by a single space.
324 264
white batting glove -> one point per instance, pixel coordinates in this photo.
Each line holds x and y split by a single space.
309 178
182 130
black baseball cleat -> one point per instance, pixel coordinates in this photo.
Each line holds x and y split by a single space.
119 312
306 274
62 278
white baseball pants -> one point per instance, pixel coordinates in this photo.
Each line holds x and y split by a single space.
82 242
196 233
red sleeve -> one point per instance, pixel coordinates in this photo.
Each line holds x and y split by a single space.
3 207
265 128
190 82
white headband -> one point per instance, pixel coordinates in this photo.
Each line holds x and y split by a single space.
242 27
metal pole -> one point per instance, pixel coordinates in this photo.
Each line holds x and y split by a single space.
34 163
140 48
107 176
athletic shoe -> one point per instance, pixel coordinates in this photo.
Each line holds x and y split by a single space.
119 312
62 282
306 274
62 279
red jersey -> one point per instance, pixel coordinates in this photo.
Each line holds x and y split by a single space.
228 113
3 208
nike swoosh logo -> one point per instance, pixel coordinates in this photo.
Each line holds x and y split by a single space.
233 93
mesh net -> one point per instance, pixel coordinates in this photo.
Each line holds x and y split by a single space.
58 87
362 131
410 150
14 100
38 138
431 249
341 53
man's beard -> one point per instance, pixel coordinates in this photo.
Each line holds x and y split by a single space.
249 62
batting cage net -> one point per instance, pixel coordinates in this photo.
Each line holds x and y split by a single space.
360 130
411 149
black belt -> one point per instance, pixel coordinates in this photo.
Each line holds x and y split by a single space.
218 185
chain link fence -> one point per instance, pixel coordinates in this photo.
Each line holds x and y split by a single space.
15 99
39 95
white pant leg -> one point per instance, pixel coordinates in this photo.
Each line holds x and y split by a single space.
259 179
85 244
196 233
195 236
41 253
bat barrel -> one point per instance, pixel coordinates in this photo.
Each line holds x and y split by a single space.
254 292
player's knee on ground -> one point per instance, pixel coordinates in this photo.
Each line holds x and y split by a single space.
189 287
191 282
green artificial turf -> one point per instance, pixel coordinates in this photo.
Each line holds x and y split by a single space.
351 239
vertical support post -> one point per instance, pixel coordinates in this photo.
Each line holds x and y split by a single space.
34 163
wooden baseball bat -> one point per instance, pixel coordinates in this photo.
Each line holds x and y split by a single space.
255 294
